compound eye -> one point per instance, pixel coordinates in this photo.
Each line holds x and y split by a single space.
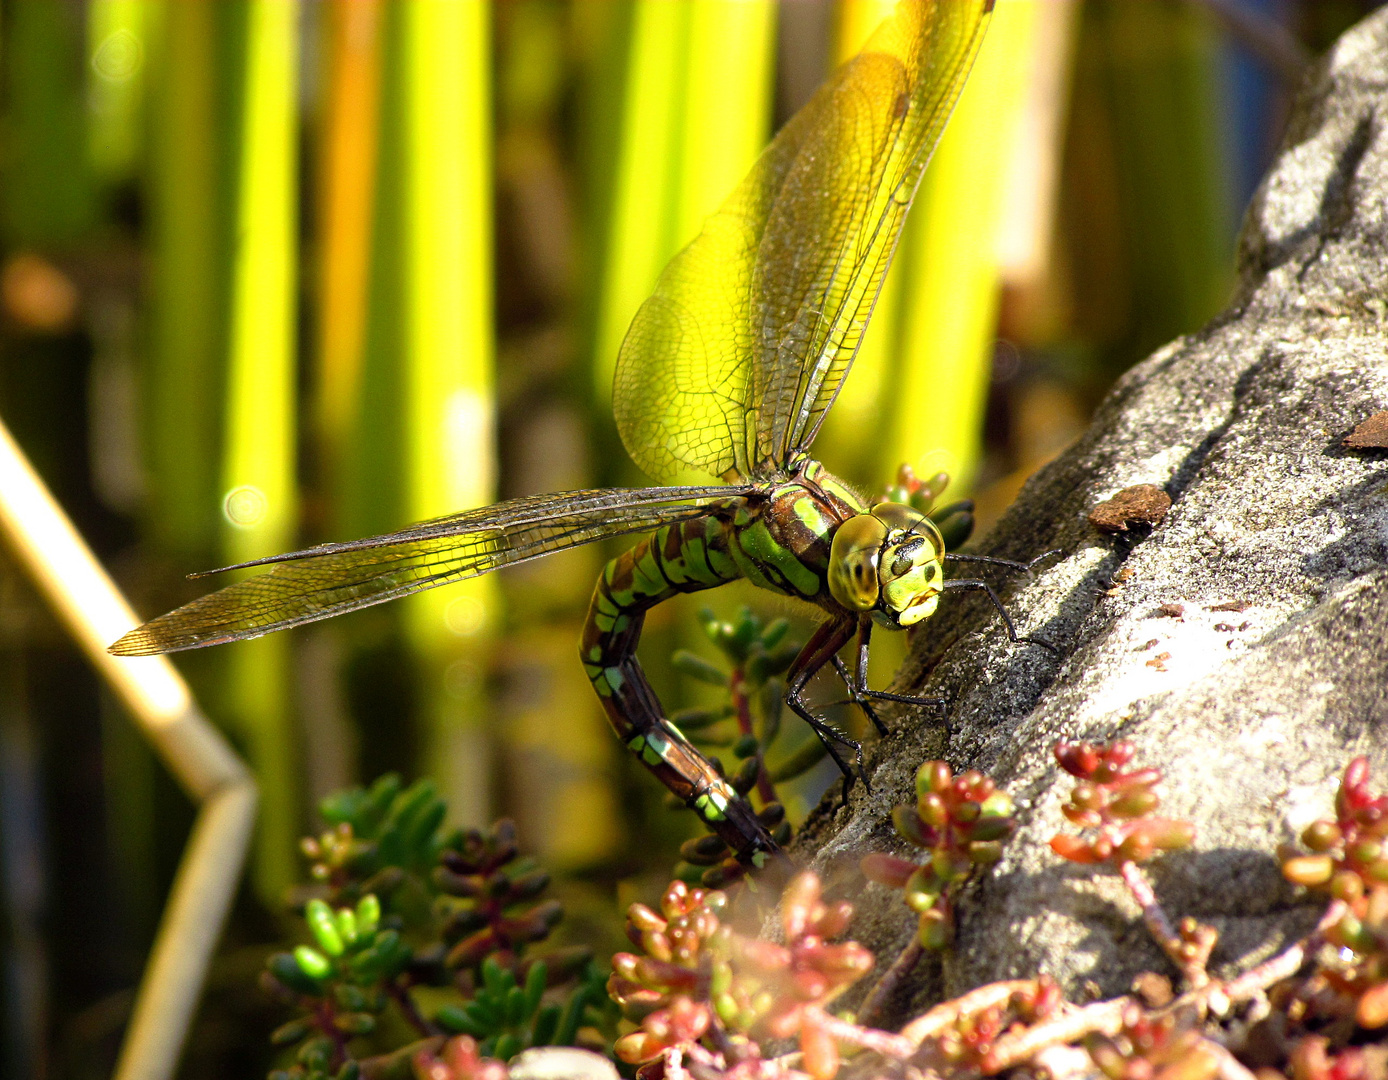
853 559
897 516
905 556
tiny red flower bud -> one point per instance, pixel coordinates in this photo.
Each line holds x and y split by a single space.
643 918
936 929
1322 836
910 827
1078 759
798 902
966 813
1120 753
1088 796
1074 848
1166 834
819 1054
933 776
1134 804
1085 819
1136 847
675 902
1347 886
965 784
932 810
1372 1010
886 869
835 919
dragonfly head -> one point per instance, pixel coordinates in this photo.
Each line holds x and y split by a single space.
889 561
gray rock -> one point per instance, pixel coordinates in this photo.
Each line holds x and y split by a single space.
1254 713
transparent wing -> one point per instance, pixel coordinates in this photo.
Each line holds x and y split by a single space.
730 366
305 586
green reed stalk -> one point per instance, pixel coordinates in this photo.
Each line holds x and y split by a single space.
183 383
258 466
450 455
346 194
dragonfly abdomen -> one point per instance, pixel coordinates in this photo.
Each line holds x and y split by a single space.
685 557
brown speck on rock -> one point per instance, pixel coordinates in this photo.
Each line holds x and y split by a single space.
1372 434
1171 611
1141 504
1230 605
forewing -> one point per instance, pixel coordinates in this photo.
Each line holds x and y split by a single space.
729 366
305 586
832 231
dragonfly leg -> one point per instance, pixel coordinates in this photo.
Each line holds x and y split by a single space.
822 648
1012 635
630 584
1009 563
856 696
858 690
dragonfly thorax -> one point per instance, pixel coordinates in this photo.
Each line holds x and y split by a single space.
888 561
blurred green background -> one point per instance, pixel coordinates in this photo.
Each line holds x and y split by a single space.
276 272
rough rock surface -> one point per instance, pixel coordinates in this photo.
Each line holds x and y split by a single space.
1253 713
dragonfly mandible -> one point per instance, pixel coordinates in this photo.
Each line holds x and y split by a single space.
727 373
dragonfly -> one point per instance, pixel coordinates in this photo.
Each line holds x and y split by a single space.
725 375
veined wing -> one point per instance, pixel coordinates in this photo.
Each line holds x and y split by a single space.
730 366
305 586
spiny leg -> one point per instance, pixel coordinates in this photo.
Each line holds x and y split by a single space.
823 647
1012 635
1027 566
858 688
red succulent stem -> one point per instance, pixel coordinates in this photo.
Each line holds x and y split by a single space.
1286 963
880 1042
1103 1017
1189 957
743 708
324 1018
886 985
947 1014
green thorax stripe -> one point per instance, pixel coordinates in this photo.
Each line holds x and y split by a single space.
783 543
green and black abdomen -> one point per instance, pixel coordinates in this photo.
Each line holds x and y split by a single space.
685 557
780 542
